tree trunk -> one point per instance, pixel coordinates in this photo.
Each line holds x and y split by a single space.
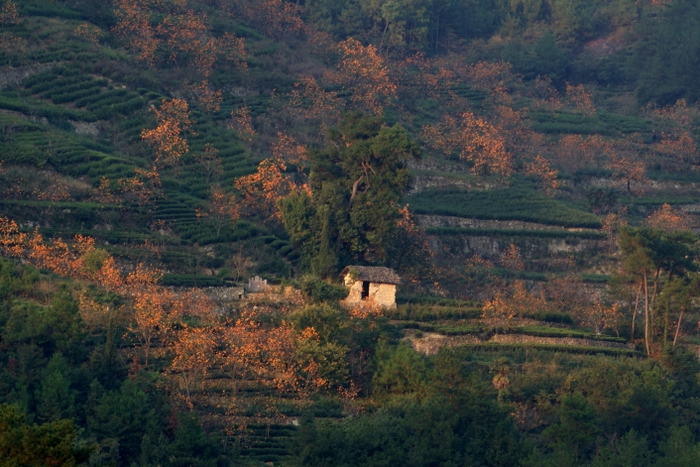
355 187
667 319
646 313
678 327
635 310
437 30
381 43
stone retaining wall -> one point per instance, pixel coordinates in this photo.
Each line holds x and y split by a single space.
492 248
431 343
10 76
425 220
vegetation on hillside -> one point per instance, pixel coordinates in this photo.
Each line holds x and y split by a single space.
528 167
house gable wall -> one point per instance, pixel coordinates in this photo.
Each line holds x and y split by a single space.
382 294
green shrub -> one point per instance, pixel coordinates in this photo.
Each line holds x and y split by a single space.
321 291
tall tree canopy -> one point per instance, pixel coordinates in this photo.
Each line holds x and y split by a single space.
356 182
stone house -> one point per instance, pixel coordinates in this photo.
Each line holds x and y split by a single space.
257 285
371 283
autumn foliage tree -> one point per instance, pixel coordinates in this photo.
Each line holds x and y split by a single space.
510 302
242 123
208 98
473 139
364 74
628 170
134 26
668 219
274 17
311 104
542 169
599 316
182 35
89 32
262 190
151 308
676 142
580 98
167 138
577 151
250 351
494 78
9 14
194 357
222 208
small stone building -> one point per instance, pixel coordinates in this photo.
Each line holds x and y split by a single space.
257 285
371 283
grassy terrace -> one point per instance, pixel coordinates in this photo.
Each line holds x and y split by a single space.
602 123
516 203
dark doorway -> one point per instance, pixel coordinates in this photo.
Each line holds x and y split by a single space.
365 289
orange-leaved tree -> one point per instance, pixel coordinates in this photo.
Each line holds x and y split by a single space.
274 17
494 78
9 14
251 351
628 169
242 123
475 140
668 219
510 302
220 209
187 35
313 105
576 151
210 163
364 74
194 356
262 190
580 98
89 32
512 259
541 168
208 98
600 316
154 308
134 26
167 138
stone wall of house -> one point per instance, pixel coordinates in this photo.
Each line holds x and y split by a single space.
256 284
355 294
383 294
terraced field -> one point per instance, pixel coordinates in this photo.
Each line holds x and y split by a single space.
431 327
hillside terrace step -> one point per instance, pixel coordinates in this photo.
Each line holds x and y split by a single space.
431 343
434 220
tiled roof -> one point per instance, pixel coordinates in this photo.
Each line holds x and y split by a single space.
377 274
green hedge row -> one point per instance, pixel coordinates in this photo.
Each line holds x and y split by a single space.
191 280
431 313
516 204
